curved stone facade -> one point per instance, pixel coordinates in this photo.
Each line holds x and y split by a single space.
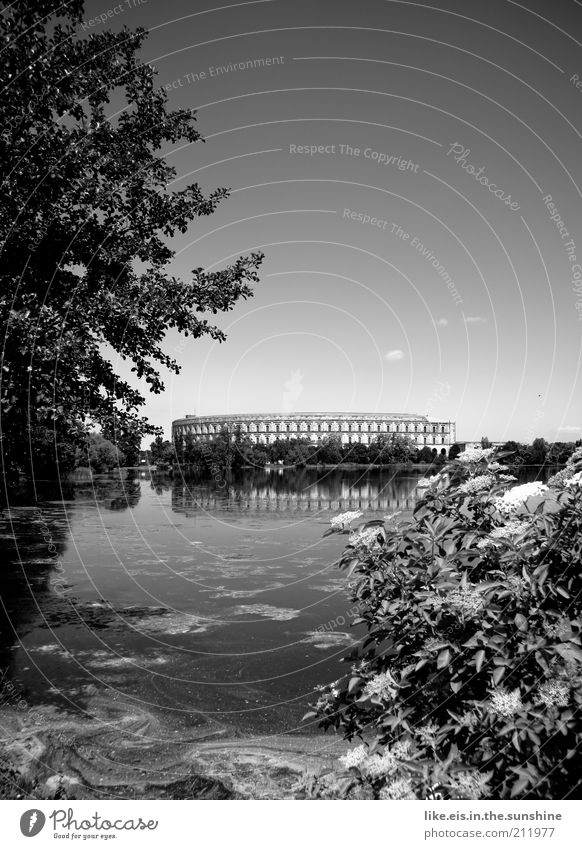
265 428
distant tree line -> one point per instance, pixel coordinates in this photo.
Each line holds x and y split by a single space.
235 450
539 453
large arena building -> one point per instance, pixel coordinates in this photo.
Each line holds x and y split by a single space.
265 428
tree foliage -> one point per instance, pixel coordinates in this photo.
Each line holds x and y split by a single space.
86 219
100 454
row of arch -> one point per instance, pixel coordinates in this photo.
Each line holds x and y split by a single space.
365 431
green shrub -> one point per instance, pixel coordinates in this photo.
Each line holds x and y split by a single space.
468 681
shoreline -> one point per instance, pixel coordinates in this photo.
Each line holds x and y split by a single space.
120 750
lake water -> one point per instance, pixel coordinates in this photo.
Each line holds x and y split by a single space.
223 607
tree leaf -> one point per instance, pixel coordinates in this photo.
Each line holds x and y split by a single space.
498 674
479 657
443 659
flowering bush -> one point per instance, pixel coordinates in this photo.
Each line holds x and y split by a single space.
343 520
468 683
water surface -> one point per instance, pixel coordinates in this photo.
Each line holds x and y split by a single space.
218 602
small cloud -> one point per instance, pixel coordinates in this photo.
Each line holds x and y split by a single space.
474 319
394 356
293 391
570 428
441 322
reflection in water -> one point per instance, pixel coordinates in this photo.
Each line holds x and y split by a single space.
117 494
221 606
33 545
305 490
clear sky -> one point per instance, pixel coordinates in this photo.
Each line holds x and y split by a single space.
394 160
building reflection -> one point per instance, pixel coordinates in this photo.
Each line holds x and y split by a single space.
305 491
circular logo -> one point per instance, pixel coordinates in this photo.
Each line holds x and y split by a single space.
32 822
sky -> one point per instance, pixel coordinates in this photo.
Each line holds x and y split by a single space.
412 172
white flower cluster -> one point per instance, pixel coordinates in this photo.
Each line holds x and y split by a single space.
428 481
517 585
575 480
470 785
427 734
469 720
512 528
401 750
401 788
382 686
477 484
554 694
560 629
366 539
355 757
505 704
379 765
465 602
475 455
340 521
515 498
566 474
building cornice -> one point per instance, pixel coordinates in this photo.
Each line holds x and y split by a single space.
303 415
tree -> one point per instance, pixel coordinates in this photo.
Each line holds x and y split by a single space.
162 451
515 454
86 215
300 453
357 453
393 448
425 455
560 452
485 442
127 440
277 450
100 454
538 451
454 451
330 450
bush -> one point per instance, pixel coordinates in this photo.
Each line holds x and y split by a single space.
468 682
100 454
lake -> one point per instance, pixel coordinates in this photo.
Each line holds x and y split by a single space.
220 608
